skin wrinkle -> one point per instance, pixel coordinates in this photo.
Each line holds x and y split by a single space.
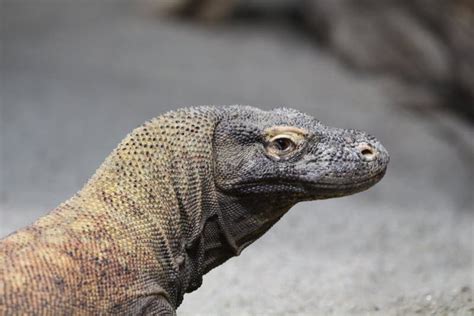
180 195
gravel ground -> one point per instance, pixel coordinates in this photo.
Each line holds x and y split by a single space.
76 76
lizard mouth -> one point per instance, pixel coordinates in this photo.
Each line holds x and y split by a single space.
328 190
347 185
308 186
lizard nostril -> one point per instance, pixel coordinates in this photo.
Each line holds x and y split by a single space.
368 153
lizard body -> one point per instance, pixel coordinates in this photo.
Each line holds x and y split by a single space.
180 195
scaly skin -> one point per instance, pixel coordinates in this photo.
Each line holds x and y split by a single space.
180 195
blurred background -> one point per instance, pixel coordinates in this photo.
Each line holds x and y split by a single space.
77 76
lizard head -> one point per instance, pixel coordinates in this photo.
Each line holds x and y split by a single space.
267 161
287 154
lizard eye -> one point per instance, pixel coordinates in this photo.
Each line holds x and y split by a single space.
281 145
283 141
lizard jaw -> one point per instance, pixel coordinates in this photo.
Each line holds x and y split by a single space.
309 188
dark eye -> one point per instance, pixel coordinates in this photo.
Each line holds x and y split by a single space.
283 144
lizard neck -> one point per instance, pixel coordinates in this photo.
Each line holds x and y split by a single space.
238 223
157 185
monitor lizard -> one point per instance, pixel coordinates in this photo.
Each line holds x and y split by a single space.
179 196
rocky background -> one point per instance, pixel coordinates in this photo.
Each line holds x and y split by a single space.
425 46
76 76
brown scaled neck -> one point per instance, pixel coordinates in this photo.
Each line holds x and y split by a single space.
239 221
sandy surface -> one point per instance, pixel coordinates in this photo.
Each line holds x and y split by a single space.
76 76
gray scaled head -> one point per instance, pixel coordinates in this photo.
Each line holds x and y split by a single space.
284 152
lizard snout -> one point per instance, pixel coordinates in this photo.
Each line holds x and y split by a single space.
374 155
